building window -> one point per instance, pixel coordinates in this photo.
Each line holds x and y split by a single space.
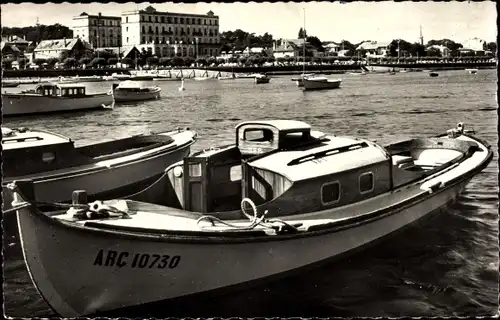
366 182
187 20
150 39
210 22
156 18
199 21
143 29
149 18
143 18
169 19
127 39
330 193
156 30
163 39
182 20
126 29
143 40
156 40
175 20
162 19
126 20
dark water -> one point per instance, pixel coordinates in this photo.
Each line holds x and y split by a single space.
447 266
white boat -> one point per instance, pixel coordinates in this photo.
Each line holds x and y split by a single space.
134 91
472 71
283 198
54 97
319 83
381 69
202 78
262 78
110 169
121 76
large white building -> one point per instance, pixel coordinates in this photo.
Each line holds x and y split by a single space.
172 34
98 30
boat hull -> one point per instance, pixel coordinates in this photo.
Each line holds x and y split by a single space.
104 182
320 85
123 96
25 104
381 69
180 274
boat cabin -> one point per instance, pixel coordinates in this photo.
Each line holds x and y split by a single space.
60 90
282 166
130 86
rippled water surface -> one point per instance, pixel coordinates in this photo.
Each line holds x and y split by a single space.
447 266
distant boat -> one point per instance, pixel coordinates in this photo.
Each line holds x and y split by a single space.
53 97
134 91
472 71
433 74
320 83
262 78
201 78
381 69
121 76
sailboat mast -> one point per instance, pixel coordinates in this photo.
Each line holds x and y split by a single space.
304 44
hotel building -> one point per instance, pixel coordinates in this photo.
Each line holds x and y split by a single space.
98 30
169 34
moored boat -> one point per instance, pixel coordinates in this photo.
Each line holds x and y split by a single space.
472 71
320 83
282 198
262 78
433 74
109 169
134 91
54 97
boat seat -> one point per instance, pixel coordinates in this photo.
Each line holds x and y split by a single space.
398 160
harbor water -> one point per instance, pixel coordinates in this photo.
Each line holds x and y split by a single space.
446 266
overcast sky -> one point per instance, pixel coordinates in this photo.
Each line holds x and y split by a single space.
382 21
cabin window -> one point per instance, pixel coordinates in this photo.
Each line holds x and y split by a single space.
195 170
366 182
330 192
235 173
258 135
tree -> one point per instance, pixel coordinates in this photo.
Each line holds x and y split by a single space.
152 61
492 46
112 61
177 61
97 62
39 61
127 61
188 61
417 50
7 63
84 61
433 52
201 62
221 61
316 43
164 61
70 62
22 62
51 62
302 34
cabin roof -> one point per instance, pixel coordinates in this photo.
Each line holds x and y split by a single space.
281 125
280 162
28 139
130 84
61 85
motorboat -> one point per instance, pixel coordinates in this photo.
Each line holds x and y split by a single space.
433 74
381 68
54 97
231 77
134 91
262 78
320 83
472 71
299 80
109 169
281 199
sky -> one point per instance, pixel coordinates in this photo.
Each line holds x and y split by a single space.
355 22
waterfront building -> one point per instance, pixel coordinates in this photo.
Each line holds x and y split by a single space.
98 30
374 49
445 51
287 47
172 34
61 49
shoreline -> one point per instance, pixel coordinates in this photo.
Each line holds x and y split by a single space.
272 70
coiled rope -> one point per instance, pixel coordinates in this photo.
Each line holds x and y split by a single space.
255 220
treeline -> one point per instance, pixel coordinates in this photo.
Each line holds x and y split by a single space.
43 32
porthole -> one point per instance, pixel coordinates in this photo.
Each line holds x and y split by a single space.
178 172
366 182
330 193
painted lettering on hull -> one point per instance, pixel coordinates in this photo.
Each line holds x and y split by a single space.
111 258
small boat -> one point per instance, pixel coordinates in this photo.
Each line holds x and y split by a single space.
232 77
284 197
433 74
361 73
54 97
121 76
134 91
319 83
202 78
472 71
10 84
115 168
247 76
262 78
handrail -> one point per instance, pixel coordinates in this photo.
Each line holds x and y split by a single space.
327 153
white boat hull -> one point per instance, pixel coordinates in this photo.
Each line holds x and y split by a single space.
124 96
381 69
24 104
102 288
